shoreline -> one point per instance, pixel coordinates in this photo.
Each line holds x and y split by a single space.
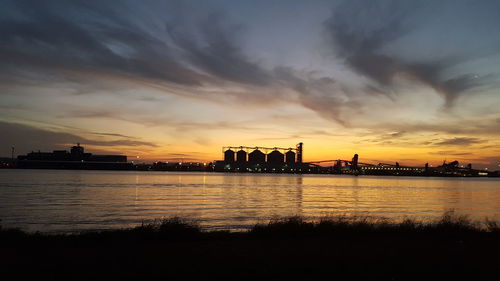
449 220
495 174
341 248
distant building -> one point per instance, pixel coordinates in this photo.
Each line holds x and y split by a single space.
77 153
262 160
256 156
76 158
275 157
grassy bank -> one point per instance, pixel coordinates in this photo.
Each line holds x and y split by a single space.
341 248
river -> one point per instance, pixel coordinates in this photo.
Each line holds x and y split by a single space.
67 201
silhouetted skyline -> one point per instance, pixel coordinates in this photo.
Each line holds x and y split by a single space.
407 81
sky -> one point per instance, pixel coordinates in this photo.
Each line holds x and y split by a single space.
406 81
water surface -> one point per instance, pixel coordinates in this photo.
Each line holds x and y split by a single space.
60 200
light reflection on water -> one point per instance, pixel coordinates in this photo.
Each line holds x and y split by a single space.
51 200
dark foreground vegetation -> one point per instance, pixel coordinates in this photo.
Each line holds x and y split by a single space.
334 248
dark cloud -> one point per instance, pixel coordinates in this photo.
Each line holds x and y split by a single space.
178 154
459 141
126 142
191 52
26 138
45 39
182 157
452 152
388 138
291 137
112 135
319 94
360 31
216 52
48 40
491 162
396 134
456 126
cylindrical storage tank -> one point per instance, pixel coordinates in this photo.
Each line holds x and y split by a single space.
290 157
256 156
275 157
229 156
241 156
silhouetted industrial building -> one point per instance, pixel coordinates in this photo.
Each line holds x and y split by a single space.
77 158
299 152
354 162
290 160
256 156
276 157
262 159
241 156
77 153
229 156
290 157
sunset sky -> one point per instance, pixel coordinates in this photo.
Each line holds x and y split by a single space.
406 81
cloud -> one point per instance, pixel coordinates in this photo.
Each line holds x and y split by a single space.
188 156
192 53
361 32
112 135
27 138
216 53
51 41
390 138
460 141
191 56
451 152
95 45
320 94
454 126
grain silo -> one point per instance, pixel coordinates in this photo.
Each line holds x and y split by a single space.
241 156
256 156
229 156
275 157
290 157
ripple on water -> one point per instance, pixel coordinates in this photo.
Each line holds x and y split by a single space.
60 201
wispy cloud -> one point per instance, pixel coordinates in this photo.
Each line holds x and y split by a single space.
26 138
362 31
94 61
459 141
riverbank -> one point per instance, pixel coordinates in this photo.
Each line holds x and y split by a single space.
199 167
341 248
